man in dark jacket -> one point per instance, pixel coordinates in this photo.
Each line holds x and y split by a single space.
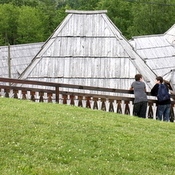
163 107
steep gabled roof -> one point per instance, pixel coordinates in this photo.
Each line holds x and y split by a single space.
170 35
20 57
87 48
158 52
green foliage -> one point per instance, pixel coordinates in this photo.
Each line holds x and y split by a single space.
8 23
53 16
151 18
59 16
30 25
31 3
118 12
132 18
42 138
83 5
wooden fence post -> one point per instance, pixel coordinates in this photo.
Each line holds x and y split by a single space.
57 94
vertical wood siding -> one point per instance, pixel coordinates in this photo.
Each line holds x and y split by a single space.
88 49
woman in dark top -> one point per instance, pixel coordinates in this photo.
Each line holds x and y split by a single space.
163 107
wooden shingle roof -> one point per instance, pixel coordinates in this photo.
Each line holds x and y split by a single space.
88 49
158 52
20 57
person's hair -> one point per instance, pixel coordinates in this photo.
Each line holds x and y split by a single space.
159 79
138 77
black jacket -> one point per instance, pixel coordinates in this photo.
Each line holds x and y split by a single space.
154 92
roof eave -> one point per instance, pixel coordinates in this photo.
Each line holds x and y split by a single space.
86 12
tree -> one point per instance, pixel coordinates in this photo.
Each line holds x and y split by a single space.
32 3
119 12
59 16
23 21
30 25
54 12
83 4
8 23
149 18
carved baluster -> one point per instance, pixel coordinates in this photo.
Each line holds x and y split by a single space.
99 103
131 107
11 94
107 103
3 92
84 102
76 100
154 108
123 106
68 99
115 106
91 102
45 97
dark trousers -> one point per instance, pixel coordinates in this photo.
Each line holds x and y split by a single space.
140 109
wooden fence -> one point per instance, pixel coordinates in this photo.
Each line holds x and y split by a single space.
51 92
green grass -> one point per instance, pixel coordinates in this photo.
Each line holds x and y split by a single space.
55 139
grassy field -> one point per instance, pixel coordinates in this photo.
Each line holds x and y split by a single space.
54 139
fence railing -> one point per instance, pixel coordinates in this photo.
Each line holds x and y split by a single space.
121 102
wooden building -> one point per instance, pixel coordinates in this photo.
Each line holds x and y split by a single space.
88 49
158 52
15 58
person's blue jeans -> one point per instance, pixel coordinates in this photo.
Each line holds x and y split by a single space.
163 111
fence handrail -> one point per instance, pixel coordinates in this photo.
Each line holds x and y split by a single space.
57 85
43 83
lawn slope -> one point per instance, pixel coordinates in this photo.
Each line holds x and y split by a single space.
55 139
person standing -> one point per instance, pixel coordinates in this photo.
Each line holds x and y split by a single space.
163 107
140 101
